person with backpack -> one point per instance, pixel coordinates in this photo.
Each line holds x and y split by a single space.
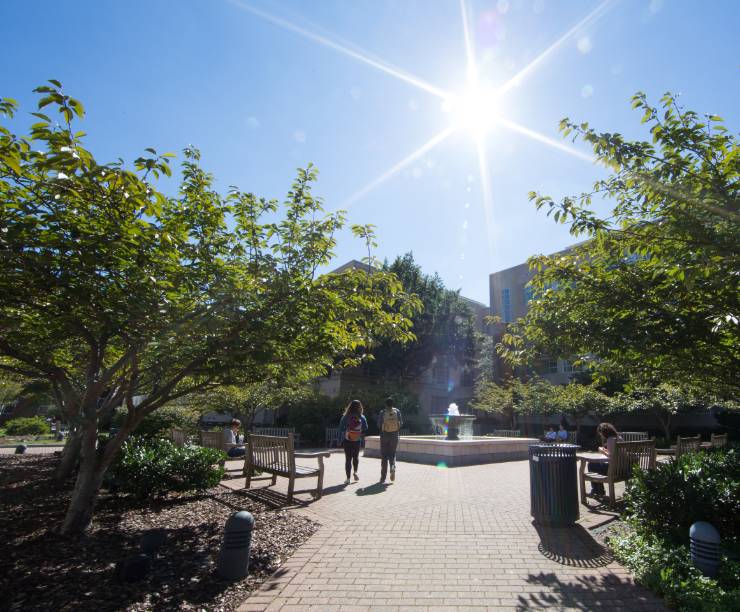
352 427
389 424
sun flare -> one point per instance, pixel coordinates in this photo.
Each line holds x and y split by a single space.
475 110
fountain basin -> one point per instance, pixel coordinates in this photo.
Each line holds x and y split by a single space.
435 450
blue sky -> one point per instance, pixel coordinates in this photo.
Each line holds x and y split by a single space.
264 87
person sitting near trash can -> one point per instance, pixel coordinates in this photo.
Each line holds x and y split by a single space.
232 440
609 438
551 435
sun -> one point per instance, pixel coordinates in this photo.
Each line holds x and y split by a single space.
475 110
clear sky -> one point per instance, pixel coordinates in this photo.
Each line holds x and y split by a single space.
357 87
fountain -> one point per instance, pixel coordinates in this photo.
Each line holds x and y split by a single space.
453 423
454 444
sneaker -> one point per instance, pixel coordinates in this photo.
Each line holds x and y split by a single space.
346 481
382 481
356 476
393 474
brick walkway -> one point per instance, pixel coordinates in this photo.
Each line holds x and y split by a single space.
440 539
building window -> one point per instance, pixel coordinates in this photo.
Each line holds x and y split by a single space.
506 305
528 294
439 404
440 374
551 366
567 367
466 378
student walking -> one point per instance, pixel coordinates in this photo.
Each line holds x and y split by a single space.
352 427
389 424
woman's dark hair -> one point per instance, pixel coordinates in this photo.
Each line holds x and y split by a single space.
236 422
354 408
389 402
607 430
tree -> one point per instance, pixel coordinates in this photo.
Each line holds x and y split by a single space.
444 328
120 296
581 401
652 295
663 402
515 397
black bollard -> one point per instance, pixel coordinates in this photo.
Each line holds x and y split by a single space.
152 540
233 561
134 568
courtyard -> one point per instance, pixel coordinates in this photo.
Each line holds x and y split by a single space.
441 539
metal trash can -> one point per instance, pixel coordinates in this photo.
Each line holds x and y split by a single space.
553 483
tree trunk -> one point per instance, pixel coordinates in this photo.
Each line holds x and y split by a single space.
665 423
70 455
93 465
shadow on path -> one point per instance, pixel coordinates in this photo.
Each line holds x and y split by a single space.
373 489
571 546
589 592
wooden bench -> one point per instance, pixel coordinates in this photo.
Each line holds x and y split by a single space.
507 433
276 455
718 440
177 436
331 437
691 444
278 432
626 455
634 436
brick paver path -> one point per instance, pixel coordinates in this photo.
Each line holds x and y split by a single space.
441 539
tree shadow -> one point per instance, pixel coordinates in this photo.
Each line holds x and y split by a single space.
592 592
572 546
40 568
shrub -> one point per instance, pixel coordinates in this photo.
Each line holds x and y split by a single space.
31 426
147 467
697 487
666 569
158 423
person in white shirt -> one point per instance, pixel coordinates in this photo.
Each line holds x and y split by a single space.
232 439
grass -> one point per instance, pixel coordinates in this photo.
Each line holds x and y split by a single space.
47 439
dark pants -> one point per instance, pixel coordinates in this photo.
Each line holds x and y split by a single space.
351 455
236 451
598 467
388 446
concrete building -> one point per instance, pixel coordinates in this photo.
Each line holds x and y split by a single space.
509 296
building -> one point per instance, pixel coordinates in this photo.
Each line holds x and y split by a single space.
509 296
445 381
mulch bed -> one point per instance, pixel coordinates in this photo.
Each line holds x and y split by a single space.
43 570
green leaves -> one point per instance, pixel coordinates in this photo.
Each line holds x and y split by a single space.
645 291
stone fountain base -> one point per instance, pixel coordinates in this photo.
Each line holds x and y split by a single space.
434 450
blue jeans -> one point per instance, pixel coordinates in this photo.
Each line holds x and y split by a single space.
236 451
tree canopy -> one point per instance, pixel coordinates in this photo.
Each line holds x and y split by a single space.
652 294
120 295
444 328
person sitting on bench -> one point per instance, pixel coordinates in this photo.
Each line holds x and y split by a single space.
232 438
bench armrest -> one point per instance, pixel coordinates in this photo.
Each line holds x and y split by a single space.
311 455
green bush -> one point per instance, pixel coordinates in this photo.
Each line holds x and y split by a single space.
666 569
158 423
698 487
147 467
31 426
